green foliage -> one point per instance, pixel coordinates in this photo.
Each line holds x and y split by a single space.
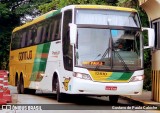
57 4
147 80
4 11
11 11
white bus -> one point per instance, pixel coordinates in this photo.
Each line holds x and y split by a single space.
80 49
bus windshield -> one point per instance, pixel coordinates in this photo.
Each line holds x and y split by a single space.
107 17
109 49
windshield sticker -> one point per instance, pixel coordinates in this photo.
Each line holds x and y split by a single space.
94 63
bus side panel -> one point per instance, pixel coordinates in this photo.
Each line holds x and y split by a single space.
39 65
52 65
55 64
12 74
21 62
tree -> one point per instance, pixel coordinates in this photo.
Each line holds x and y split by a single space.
57 4
12 12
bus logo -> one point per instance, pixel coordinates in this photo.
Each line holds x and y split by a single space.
26 55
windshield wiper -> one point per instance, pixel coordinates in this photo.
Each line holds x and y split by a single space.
119 56
104 54
112 50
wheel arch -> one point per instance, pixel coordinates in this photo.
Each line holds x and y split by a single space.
54 78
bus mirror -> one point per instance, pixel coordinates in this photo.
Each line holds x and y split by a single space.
151 37
73 33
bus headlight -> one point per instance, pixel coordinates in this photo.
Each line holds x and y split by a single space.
82 76
137 78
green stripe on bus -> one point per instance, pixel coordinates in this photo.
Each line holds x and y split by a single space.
115 76
40 62
53 13
126 76
120 76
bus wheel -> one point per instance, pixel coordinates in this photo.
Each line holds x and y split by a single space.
18 87
60 96
22 89
113 99
30 91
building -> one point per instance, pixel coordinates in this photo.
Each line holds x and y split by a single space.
152 8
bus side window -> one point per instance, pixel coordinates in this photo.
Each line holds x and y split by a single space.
57 31
29 41
67 48
15 41
45 32
34 35
39 35
18 36
50 32
23 42
56 28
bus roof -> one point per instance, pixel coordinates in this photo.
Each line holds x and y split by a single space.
54 12
105 7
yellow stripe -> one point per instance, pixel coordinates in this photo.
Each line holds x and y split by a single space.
105 7
38 19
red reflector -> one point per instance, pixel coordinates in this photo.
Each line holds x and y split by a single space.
111 88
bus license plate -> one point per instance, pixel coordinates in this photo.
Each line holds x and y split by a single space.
111 88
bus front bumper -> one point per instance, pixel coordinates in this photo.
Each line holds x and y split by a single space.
88 87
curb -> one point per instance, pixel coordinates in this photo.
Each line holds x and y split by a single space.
132 100
139 102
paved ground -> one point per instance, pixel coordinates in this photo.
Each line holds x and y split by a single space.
144 99
96 102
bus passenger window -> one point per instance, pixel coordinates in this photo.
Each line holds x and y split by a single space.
34 35
31 36
50 32
29 41
39 35
58 30
23 42
45 33
15 41
54 29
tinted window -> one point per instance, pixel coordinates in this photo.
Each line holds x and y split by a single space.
45 31
16 41
39 35
67 48
55 28
23 41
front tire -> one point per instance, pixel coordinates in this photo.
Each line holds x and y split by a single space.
18 87
30 91
60 96
23 90
113 99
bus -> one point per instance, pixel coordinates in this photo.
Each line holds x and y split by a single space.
82 50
